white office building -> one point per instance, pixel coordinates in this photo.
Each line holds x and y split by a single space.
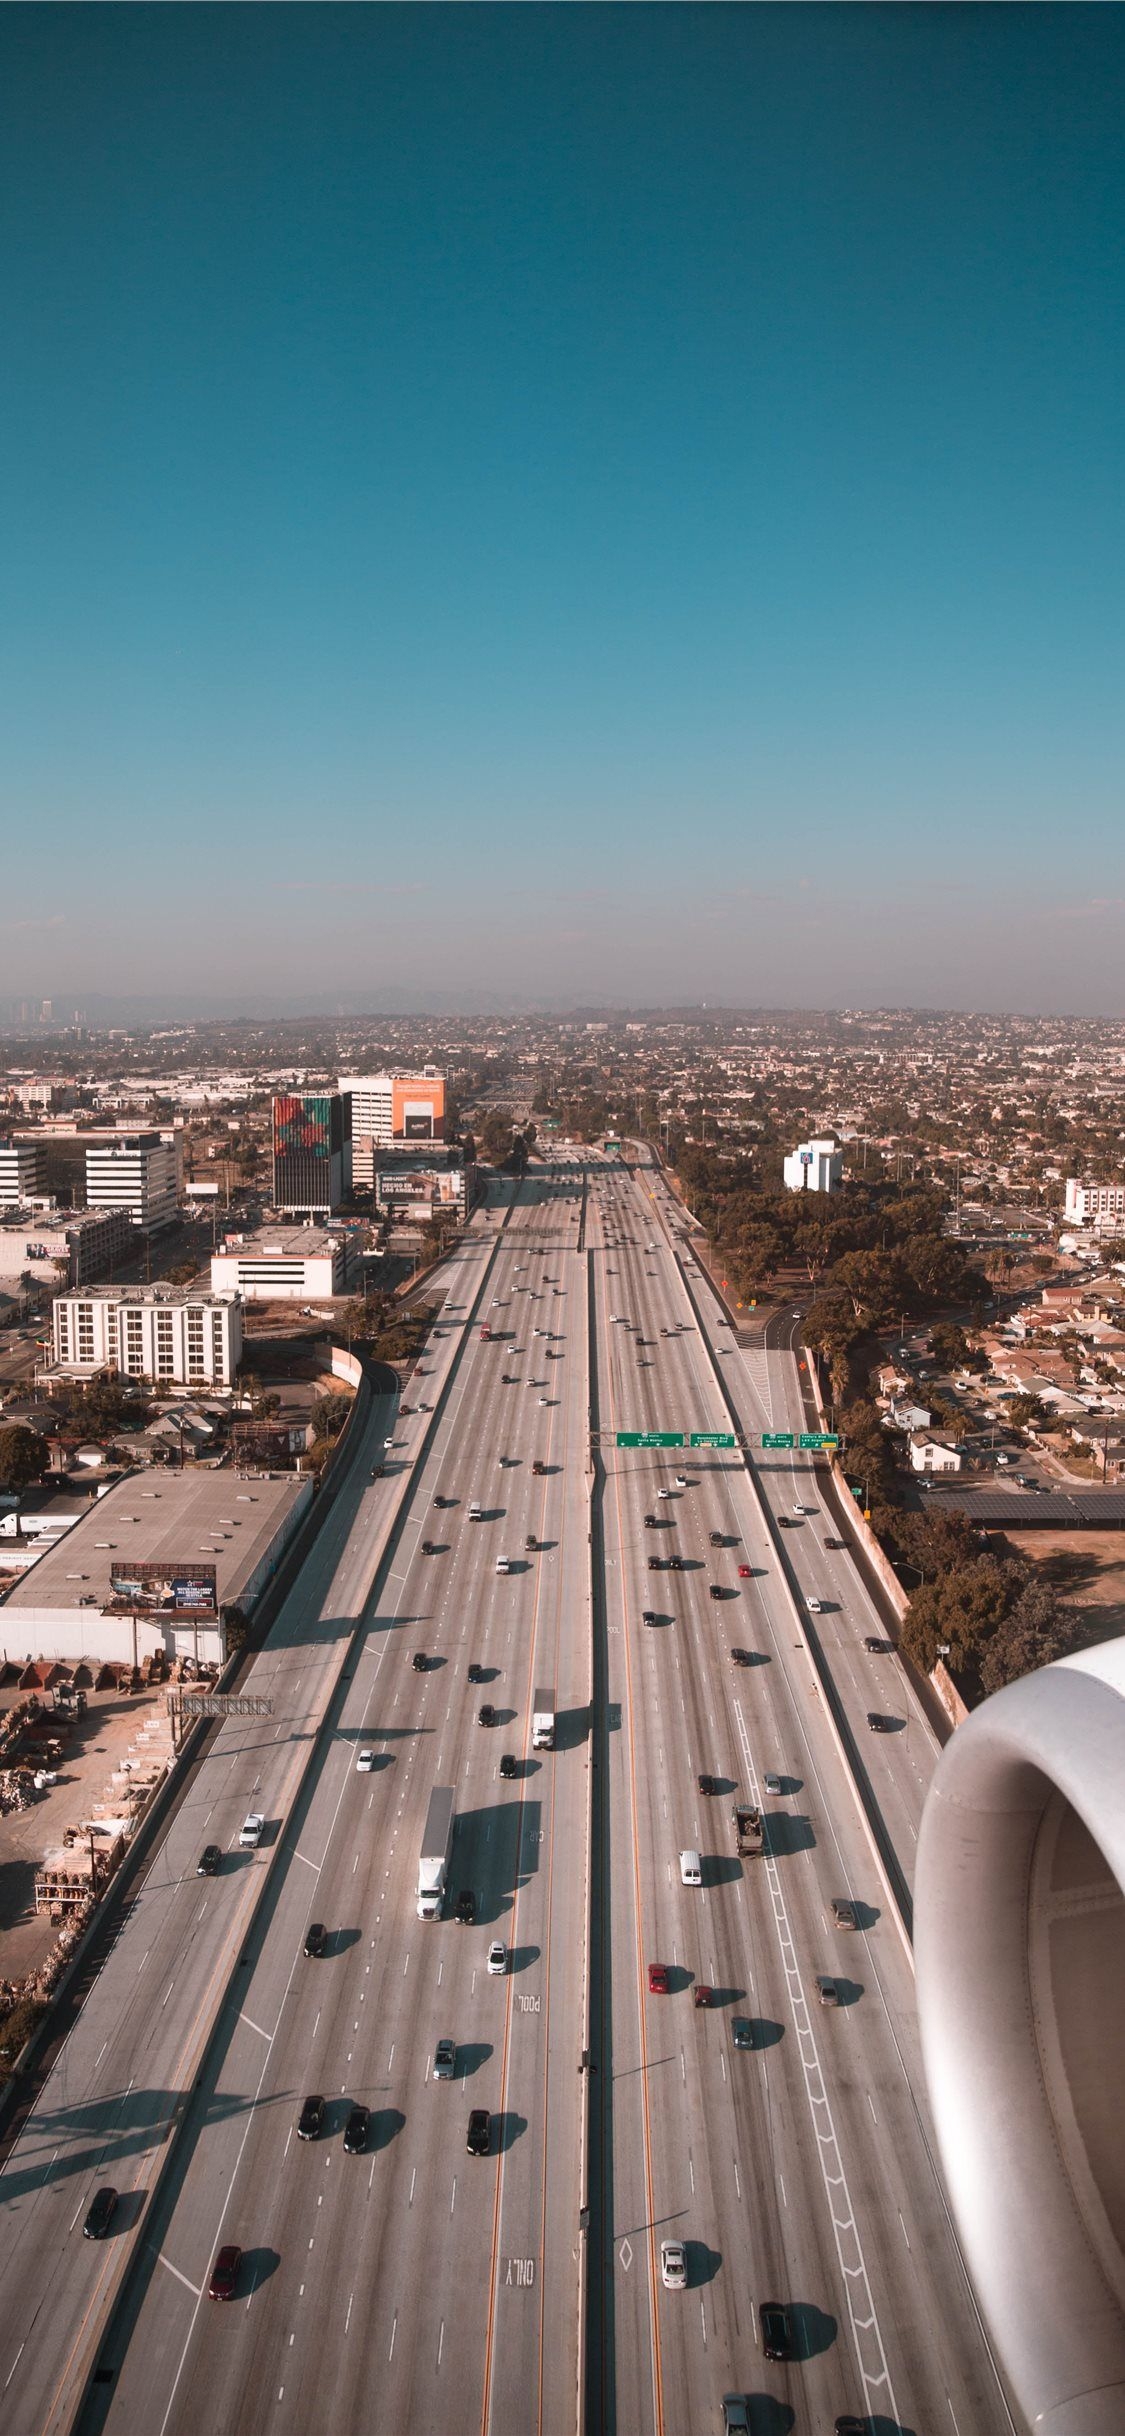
296 1264
169 1334
21 1169
390 1109
136 1172
1086 1203
815 1167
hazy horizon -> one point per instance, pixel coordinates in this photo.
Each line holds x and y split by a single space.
525 508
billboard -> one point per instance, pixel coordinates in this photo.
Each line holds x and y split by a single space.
418 1124
161 1587
417 1107
304 1123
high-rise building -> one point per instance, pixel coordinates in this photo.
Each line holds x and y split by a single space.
135 1172
389 1110
21 1172
311 1152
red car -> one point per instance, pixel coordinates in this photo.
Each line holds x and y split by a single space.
658 1979
224 2273
744 1573
702 1993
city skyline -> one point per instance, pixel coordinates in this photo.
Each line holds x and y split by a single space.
565 507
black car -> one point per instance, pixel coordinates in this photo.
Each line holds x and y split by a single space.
777 2330
538 1467
210 1862
714 1590
787 1522
476 1671
742 2031
676 1564
465 1908
649 1616
740 1657
486 1714
835 1543
650 1522
716 1539
356 2129
507 1764
657 1564
100 2213
429 1547
878 1724
479 2138
316 1937
419 1662
310 2121
872 1642
706 1784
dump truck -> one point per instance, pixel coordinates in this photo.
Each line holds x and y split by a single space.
433 1861
747 1827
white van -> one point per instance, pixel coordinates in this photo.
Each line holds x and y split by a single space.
503 1564
691 1869
474 1510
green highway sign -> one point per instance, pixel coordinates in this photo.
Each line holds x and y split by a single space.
650 1437
712 1437
814 1439
783 1437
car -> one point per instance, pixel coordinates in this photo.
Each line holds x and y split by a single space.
465 1908
445 2060
736 2415
798 1510
478 2139
497 1958
677 1563
531 1544
681 1480
507 1763
429 1547
716 1539
777 2330
658 1979
740 1657
650 1522
673 2265
813 1606
658 1564
714 1590
224 2273
365 1763
663 1493
744 1573
316 1937
440 1501
486 1714
538 1467
785 1522
419 1662
100 2213
476 1671
542 1399
878 1724
310 2121
835 1543
742 2031
355 2131
706 1784
702 1995
849 2424
506 1379
844 1913
210 1862
872 1641
772 1782
827 1990
251 1831
648 1616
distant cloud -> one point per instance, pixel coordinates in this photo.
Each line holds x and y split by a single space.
38 922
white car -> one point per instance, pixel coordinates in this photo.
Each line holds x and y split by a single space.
664 1492
813 1606
673 2265
251 1830
365 1762
497 1959
681 1480
772 1782
798 1509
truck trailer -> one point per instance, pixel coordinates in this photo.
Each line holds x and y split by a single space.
747 1828
433 1863
543 1721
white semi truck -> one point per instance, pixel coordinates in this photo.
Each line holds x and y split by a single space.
543 1721
433 1863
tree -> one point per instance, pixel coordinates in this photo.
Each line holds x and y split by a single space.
1025 1412
1035 1631
23 1459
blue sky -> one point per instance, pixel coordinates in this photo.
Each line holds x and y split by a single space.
564 502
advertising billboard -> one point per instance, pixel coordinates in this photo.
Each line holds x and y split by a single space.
417 1108
161 1587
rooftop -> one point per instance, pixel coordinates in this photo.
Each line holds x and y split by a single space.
172 1518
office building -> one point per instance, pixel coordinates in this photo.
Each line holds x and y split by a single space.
311 1152
64 1247
21 1173
137 1173
169 1334
815 1167
297 1264
390 1110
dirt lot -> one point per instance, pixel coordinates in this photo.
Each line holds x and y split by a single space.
98 1744
1087 1568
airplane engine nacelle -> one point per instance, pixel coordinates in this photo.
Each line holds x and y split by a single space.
1020 1951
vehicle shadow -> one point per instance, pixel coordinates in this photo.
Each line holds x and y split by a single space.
868 1915
764 2032
785 1835
726 1996
521 1957
848 1991
721 1868
257 2268
814 2330
386 2124
769 2417
572 1728
471 2058
338 1941
703 2264
506 2130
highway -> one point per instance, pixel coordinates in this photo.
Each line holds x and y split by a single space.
414 2284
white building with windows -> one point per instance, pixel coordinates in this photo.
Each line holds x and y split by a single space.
21 1170
64 1247
169 1334
138 1173
1087 1203
815 1167
390 1109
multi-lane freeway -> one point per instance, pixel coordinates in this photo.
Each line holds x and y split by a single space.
785 2143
